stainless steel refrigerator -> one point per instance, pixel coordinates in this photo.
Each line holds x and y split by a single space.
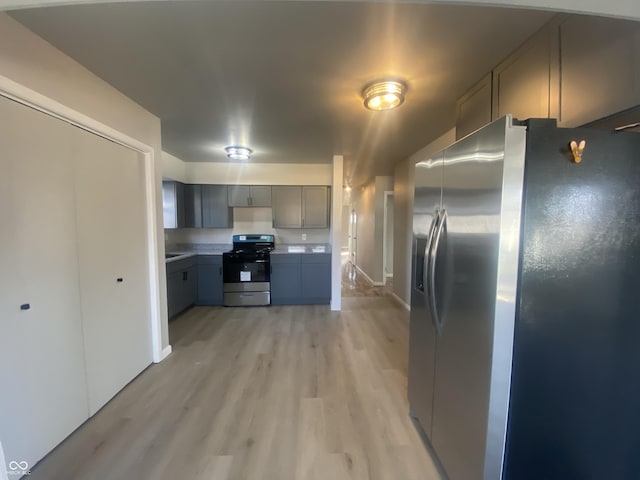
525 304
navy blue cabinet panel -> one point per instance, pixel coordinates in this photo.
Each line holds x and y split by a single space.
285 283
209 281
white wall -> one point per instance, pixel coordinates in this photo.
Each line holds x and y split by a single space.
245 220
403 213
29 61
173 168
259 173
369 206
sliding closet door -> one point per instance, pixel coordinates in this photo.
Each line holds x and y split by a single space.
43 391
113 264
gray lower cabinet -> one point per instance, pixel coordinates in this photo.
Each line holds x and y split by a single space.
182 285
286 288
315 278
300 279
209 280
216 212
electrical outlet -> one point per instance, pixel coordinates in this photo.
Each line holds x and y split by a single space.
304 236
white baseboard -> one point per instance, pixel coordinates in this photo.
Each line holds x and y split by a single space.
369 279
166 351
401 302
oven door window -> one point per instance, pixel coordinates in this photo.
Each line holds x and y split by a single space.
238 271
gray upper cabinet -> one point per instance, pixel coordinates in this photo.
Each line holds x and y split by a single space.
193 206
473 109
249 196
215 211
173 204
315 207
301 207
260 196
287 207
600 68
526 83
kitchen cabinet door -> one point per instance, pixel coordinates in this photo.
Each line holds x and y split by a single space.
113 264
315 278
286 286
192 206
526 83
239 195
43 390
216 212
315 207
287 207
210 290
173 204
600 75
473 110
260 196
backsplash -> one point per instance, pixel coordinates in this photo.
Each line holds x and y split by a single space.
246 220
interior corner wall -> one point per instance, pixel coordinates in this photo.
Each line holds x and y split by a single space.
29 61
173 168
364 204
382 184
369 206
403 213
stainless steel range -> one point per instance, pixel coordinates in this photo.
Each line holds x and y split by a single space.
247 271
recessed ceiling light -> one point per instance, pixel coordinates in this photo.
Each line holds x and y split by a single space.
384 95
238 153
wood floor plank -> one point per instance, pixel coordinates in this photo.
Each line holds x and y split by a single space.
282 393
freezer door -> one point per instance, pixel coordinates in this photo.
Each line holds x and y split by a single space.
576 386
422 336
465 291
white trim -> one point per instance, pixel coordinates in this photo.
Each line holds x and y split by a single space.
368 278
385 209
37 101
401 302
166 351
336 233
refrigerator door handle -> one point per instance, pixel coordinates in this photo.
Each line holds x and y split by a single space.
437 321
427 253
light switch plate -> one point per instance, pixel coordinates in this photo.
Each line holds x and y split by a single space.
304 236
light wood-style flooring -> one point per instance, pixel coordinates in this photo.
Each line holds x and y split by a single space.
269 393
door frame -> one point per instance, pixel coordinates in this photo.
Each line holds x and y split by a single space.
387 194
30 98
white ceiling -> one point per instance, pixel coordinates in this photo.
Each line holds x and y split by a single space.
285 78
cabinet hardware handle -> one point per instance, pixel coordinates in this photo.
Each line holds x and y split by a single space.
119 280
25 306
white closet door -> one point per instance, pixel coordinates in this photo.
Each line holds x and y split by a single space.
114 273
43 391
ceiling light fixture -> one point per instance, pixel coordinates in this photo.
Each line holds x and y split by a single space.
238 153
384 95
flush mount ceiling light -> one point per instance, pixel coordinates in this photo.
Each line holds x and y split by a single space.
384 95
238 153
